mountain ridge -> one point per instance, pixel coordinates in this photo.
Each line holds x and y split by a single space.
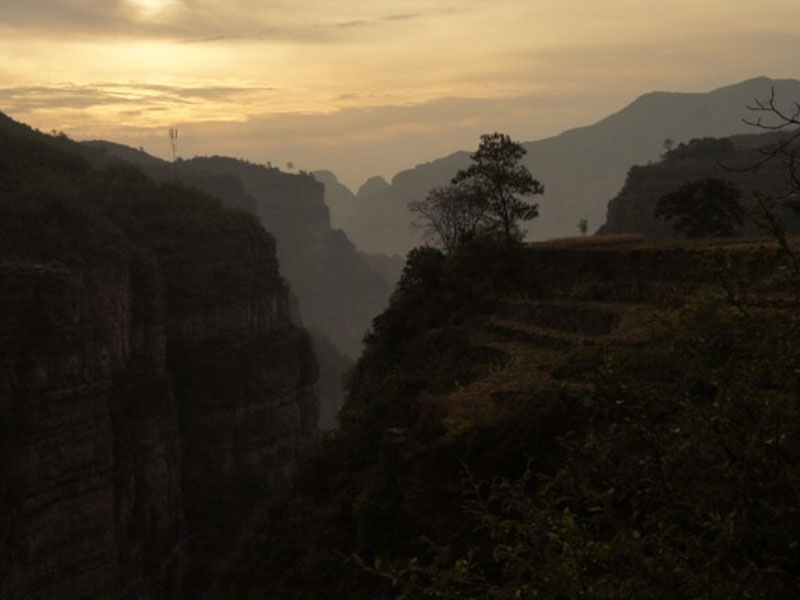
581 168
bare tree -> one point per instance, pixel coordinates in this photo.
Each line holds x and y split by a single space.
450 214
771 117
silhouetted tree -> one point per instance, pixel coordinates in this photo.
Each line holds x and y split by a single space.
450 214
703 208
772 117
503 182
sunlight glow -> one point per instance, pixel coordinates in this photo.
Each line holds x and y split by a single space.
150 8
330 73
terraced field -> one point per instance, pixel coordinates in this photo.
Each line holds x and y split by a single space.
610 293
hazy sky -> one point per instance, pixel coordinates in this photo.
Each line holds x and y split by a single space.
366 88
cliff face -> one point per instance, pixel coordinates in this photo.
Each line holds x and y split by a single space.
339 289
338 292
90 449
153 386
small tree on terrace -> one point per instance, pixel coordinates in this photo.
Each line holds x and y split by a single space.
496 173
703 208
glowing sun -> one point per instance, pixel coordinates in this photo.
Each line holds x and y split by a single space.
150 7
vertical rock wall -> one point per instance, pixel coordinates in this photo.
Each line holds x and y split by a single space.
153 388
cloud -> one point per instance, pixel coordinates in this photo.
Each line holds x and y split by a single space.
188 21
262 34
26 99
374 22
401 17
62 14
358 142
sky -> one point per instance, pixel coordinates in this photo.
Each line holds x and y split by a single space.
367 88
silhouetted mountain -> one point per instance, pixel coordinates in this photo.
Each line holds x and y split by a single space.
581 168
381 221
338 197
342 202
109 151
371 186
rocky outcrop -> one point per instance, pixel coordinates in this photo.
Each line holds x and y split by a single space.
153 387
731 159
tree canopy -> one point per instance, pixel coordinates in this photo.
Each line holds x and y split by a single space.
496 171
703 208
450 214
489 195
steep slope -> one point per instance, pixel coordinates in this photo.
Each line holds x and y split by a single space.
581 168
338 197
153 386
342 202
338 293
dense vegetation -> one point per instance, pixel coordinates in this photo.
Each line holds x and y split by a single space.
488 196
658 466
703 208
54 206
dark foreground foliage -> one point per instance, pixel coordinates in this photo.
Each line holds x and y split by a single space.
673 476
683 483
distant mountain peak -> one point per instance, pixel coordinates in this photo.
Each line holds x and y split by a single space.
372 185
325 176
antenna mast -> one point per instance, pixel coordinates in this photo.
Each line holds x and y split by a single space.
173 140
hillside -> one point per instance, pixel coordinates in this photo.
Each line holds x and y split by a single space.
153 386
590 418
581 168
729 159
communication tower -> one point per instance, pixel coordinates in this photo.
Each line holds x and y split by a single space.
173 141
